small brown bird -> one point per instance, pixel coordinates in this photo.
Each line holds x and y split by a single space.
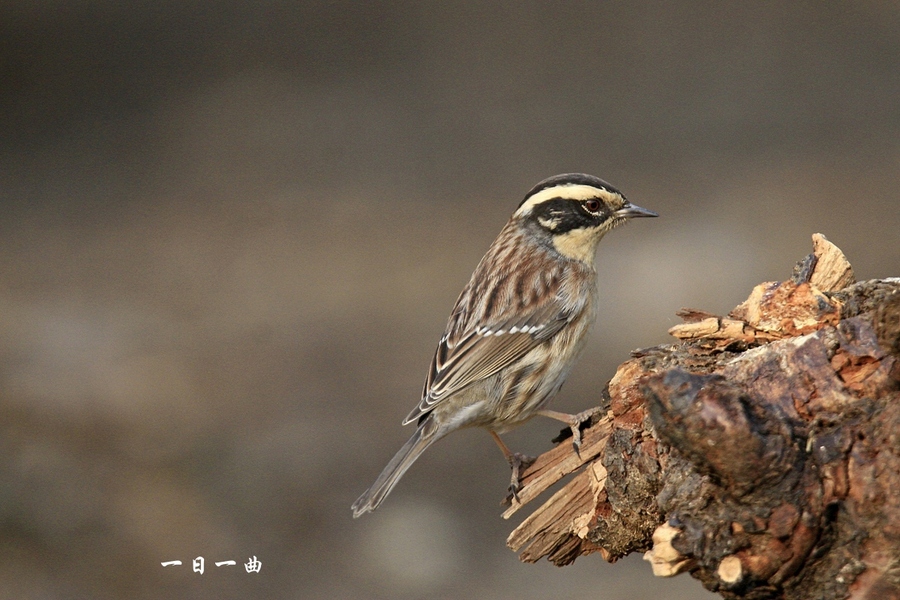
518 325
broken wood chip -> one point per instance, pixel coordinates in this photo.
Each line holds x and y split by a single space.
558 529
724 331
555 464
664 559
786 309
832 271
695 329
776 310
730 570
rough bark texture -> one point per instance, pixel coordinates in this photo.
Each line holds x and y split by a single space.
761 453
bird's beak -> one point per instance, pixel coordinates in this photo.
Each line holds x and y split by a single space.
630 211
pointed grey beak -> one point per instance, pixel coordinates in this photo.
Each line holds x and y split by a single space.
630 211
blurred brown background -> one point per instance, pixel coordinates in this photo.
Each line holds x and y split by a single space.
231 234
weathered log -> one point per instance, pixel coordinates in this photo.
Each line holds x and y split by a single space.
760 453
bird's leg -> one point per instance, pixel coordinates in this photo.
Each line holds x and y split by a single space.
573 421
517 462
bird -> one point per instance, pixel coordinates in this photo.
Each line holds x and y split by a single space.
518 325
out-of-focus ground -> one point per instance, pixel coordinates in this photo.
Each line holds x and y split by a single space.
231 234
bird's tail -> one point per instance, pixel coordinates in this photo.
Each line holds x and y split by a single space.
425 435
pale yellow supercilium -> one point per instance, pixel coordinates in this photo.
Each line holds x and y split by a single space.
570 192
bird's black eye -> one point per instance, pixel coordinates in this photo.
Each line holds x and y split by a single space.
592 205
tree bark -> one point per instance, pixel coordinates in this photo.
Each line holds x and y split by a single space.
760 453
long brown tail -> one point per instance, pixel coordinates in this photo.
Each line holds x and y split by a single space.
425 435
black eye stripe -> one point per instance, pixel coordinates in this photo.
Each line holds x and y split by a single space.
566 214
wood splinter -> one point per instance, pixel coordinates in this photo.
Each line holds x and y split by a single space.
730 570
664 559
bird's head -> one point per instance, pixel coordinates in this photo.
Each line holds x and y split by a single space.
574 211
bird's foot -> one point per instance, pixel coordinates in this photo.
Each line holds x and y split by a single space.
575 423
580 420
518 463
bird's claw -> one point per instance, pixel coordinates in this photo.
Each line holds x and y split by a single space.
575 423
518 462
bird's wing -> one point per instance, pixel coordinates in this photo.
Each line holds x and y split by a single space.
479 351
